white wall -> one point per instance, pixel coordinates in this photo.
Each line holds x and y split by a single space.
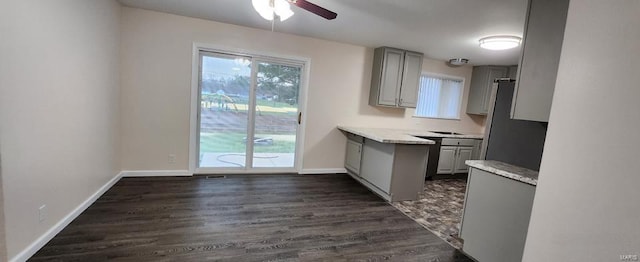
156 80
586 204
59 109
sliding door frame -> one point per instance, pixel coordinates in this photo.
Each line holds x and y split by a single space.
256 57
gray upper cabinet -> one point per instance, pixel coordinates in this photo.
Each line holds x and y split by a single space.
481 83
513 72
410 79
395 77
543 35
390 64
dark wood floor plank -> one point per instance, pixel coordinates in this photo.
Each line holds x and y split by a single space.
244 218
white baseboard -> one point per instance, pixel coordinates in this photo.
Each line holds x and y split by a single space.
315 171
155 173
253 171
36 245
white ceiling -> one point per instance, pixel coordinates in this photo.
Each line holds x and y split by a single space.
441 29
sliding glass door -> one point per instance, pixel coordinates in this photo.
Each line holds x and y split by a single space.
276 115
224 110
248 113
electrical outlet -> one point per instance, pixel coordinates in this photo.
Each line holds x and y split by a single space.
172 158
42 213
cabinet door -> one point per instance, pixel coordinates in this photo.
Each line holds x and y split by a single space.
481 84
476 91
447 160
494 73
392 63
464 154
410 79
377 164
513 72
354 156
543 35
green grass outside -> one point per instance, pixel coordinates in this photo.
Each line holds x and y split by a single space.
264 107
234 143
262 102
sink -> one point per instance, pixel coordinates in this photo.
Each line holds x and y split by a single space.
446 133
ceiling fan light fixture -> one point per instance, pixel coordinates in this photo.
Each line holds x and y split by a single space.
282 9
501 42
263 8
268 9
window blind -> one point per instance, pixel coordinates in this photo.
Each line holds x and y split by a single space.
439 97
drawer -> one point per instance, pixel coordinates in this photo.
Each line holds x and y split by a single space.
355 138
458 142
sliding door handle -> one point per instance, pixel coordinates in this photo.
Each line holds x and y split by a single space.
299 118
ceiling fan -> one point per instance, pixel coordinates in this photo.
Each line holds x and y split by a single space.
313 8
268 9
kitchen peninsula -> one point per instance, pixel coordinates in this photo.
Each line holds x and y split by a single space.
390 162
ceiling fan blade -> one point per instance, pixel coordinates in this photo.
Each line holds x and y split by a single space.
313 8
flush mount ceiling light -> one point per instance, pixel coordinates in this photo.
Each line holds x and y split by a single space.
270 8
500 42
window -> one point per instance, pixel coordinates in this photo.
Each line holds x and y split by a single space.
439 97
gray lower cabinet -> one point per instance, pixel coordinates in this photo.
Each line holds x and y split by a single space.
396 172
464 154
395 77
496 217
541 45
480 87
453 154
447 160
353 157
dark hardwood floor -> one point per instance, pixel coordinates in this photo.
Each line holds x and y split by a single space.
244 218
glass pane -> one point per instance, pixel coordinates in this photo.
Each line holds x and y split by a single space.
225 84
276 119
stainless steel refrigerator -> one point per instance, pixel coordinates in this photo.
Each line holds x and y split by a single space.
517 142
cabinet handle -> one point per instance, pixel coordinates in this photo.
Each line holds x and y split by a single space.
299 117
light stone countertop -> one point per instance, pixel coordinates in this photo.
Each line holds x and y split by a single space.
506 170
401 136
